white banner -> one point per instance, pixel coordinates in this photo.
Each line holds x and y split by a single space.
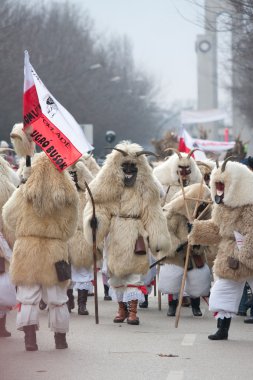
205 116
206 145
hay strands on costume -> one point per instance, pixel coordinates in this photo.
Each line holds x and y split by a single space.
188 246
94 248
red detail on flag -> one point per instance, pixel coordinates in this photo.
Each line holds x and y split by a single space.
46 135
31 106
182 147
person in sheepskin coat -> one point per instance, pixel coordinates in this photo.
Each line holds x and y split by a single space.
168 173
127 210
8 182
198 280
231 229
80 253
43 214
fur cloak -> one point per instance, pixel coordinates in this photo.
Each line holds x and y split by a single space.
80 252
8 181
123 213
234 214
43 214
177 218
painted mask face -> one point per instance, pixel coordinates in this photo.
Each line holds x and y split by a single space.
184 172
219 192
130 173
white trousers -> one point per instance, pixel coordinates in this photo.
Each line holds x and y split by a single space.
125 289
226 296
55 297
198 281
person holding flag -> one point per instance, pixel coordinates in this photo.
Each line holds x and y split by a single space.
43 211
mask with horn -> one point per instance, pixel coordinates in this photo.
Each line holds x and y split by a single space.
130 165
184 165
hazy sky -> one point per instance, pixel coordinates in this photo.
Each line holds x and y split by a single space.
163 34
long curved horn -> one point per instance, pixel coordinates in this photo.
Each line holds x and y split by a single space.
225 162
147 153
203 164
192 151
121 151
174 150
15 136
6 149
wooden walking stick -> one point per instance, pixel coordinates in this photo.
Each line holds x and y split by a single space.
187 256
159 293
94 247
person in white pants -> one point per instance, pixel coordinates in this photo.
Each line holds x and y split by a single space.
230 229
42 213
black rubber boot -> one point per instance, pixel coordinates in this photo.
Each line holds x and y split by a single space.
222 332
3 332
172 308
60 341
106 293
71 300
195 302
82 300
42 305
144 305
30 338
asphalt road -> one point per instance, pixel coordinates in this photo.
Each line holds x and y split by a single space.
153 350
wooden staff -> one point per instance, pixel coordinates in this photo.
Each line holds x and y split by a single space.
159 293
188 250
94 246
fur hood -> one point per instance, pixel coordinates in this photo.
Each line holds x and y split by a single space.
177 204
238 184
167 171
47 188
90 164
22 142
82 172
109 182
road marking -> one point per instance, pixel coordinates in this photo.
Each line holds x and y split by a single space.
188 340
175 375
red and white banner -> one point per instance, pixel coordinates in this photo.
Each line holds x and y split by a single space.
186 143
55 130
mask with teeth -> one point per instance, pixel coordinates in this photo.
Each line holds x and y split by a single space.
130 173
219 192
184 172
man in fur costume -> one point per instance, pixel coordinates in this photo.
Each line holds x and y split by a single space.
198 278
80 254
127 210
230 228
43 214
179 165
8 181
